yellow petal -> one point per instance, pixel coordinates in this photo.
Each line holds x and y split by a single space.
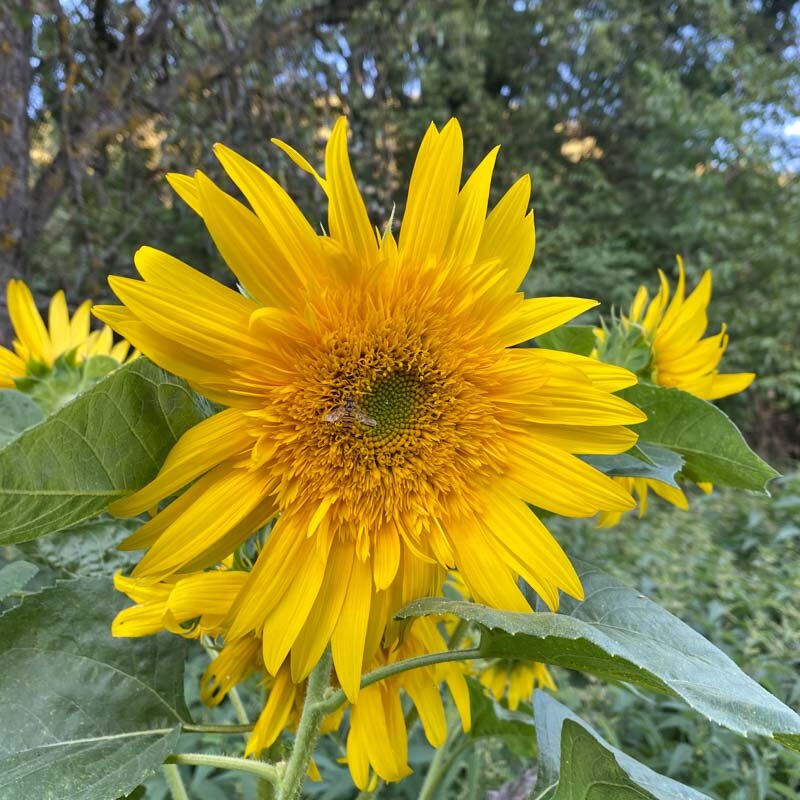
322 619
28 323
292 610
186 188
434 185
200 449
509 234
275 715
293 237
470 213
245 245
539 315
347 214
349 635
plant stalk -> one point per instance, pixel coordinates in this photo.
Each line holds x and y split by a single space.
174 782
291 783
268 772
330 704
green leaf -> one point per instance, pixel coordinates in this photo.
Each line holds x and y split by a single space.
17 412
104 444
493 721
569 338
14 576
86 549
643 461
585 767
711 445
83 714
618 634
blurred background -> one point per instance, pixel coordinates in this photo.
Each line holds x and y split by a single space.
650 129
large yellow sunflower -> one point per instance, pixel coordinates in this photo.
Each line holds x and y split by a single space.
38 345
376 405
679 357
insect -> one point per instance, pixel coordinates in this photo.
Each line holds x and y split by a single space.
348 413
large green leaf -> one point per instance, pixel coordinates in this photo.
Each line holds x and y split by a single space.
570 338
618 634
711 445
83 715
643 461
86 549
17 412
107 442
575 763
14 576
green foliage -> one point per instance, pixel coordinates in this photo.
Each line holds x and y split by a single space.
14 576
108 441
579 764
17 412
710 444
643 461
570 338
727 568
53 388
620 635
83 714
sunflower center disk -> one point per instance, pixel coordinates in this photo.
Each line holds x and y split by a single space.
393 402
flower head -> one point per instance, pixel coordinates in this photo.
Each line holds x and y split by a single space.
197 604
675 328
672 333
377 408
37 346
515 680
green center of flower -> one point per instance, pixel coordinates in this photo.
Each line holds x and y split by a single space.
392 402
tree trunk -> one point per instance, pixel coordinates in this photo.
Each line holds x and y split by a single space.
15 80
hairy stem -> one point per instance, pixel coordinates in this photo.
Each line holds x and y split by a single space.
330 704
222 728
174 782
266 771
307 731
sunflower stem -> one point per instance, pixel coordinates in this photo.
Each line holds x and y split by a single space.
172 775
222 728
329 704
291 783
436 771
268 772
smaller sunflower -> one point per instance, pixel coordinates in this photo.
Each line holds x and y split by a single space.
378 737
515 680
37 346
680 357
675 328
195 605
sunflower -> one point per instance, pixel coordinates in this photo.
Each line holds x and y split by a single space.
376 407
515 680
37 345
675 328
197 604
679 356
378 737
